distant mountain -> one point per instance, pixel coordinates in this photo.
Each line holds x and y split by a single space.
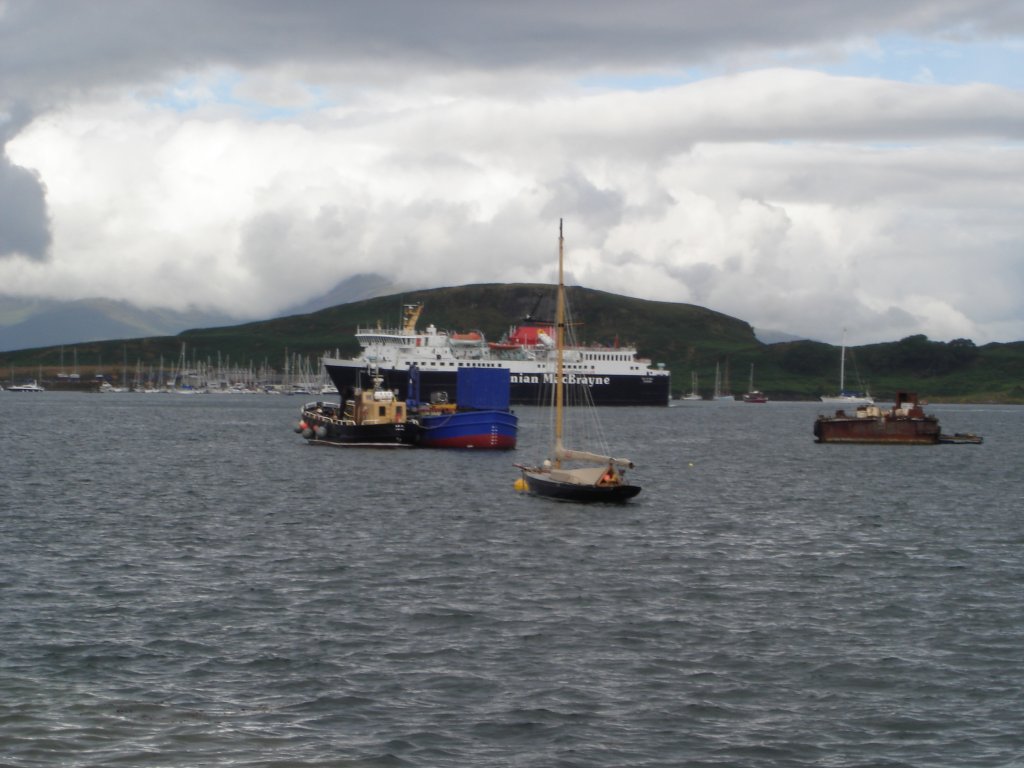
356 288
768 336
27 323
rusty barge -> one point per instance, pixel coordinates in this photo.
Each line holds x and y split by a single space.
905 423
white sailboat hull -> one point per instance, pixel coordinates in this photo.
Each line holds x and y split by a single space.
853 400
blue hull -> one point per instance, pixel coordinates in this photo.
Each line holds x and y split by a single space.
487 429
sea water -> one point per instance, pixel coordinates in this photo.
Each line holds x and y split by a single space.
183 582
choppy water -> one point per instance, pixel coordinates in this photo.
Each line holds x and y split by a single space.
184 582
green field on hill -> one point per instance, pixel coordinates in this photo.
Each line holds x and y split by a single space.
685 338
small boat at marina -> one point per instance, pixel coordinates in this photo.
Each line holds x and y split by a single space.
29 386
366 416
721 393
905 423
559 476
844 397
754 395
694 393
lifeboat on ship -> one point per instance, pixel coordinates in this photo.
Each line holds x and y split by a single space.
468 339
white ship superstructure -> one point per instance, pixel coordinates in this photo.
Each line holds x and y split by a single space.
615 375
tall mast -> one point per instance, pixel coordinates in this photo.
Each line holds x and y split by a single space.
560 343
842 365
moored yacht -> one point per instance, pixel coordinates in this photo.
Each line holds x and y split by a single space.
30 386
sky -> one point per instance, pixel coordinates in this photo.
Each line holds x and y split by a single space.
830 170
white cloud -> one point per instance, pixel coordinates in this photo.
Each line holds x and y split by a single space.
791 198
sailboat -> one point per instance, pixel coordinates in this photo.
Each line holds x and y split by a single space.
559 476
694 393
754 395
720 396
844 397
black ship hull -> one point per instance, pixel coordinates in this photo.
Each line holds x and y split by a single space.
525 389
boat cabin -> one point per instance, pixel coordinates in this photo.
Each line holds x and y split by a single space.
374 406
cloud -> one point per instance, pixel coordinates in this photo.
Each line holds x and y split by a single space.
246 156
24 222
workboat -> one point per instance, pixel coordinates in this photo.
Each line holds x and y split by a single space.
366 416
614 374
905 423
573 474
480 419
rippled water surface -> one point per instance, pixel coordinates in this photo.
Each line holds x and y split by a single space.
185 582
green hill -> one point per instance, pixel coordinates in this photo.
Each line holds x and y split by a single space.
682 336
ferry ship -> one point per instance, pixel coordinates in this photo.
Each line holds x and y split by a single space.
614 375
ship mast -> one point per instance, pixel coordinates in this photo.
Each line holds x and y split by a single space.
842 365
560 343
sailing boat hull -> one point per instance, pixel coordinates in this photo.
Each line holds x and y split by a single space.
539 485
850 400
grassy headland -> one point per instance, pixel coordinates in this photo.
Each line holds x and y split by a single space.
684 337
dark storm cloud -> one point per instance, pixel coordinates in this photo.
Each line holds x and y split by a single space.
60 46
591 205
24 223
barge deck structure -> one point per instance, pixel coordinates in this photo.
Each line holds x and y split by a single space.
905 423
